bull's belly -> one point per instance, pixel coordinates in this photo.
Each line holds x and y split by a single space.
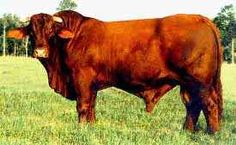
136 85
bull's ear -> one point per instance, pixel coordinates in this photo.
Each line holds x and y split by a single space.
18 33
65 33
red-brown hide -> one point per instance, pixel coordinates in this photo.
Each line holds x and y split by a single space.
144 57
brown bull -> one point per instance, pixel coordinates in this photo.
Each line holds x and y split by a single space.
145 57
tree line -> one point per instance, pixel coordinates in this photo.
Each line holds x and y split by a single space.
12 46
225 21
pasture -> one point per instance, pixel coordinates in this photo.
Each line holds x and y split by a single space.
31 113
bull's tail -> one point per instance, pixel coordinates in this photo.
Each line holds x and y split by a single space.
217 79
219 56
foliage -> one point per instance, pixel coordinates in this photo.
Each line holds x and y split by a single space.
13 47
31 113
67 5
226 22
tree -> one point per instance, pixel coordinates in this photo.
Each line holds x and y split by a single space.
226 22
10 46
67 5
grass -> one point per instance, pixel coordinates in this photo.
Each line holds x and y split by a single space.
31 113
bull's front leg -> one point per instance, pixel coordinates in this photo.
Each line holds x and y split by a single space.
86 99
86 106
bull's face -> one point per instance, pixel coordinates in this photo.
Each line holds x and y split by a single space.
41 29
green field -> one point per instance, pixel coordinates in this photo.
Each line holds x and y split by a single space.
31 113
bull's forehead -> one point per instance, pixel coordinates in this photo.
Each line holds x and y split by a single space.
41 19
40 22
40 16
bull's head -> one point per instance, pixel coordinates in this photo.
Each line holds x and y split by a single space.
41 29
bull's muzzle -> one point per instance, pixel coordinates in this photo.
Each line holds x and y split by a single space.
40 53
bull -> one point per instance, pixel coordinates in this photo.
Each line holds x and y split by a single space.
149 57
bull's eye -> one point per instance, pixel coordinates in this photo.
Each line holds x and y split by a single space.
31 34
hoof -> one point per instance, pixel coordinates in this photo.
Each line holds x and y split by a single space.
191 128
212 131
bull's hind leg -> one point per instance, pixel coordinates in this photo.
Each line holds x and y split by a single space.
192 102
211 109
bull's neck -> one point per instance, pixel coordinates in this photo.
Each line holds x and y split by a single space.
55 72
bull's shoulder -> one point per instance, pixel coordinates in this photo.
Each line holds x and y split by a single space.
91 28
92 22
69 14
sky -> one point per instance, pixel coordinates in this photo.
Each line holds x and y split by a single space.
118 9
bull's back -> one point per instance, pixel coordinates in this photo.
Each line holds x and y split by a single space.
126 41
128 33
